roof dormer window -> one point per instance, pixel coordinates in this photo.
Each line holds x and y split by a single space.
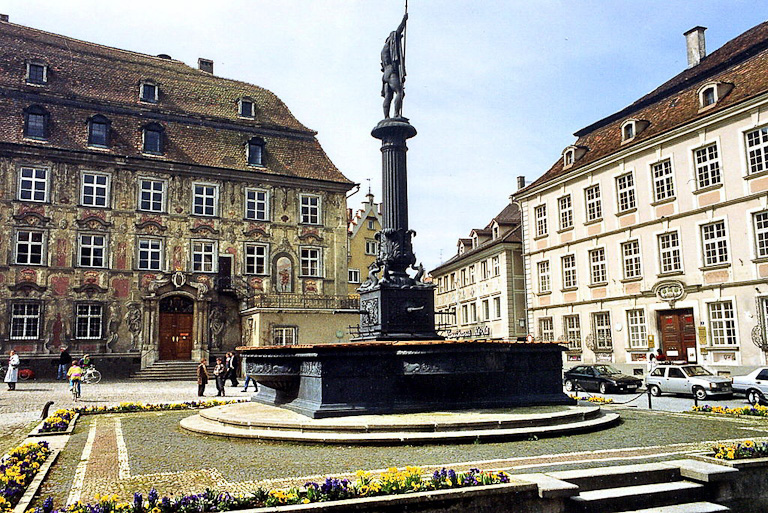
256 152
37 73
148 92
245 108
495 232
568 158
712 93
572 154
631 128
475 241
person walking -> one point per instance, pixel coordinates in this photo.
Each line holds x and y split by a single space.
220 374
12 374
231 365
202 377
65 360
75 375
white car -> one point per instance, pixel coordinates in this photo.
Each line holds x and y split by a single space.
754 385
687 379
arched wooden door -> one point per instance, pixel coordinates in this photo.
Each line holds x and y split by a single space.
176 315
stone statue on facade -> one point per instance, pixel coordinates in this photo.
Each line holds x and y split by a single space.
216 325
393 70
133 320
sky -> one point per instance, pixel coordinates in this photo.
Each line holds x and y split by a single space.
495 88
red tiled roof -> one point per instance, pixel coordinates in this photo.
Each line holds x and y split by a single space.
742 62
198 110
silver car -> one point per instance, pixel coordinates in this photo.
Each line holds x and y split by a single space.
687 379
754 385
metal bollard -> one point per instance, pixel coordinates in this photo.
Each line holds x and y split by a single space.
695 401
650 403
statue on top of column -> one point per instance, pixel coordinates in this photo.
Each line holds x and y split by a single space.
393 70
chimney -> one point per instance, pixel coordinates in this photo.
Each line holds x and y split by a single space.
520 182
205 65
694 41
4 17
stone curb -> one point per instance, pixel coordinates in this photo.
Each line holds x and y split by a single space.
36 432
37 481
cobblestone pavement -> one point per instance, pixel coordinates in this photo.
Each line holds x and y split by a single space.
23 406
134 452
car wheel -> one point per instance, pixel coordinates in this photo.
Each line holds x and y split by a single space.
569 385
655 390
754 397
699 393
603 387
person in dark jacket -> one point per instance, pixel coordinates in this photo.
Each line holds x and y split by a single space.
220 374
202 377
232 365
65 360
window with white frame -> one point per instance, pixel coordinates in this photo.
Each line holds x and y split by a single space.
572 327
484 270
311 262
707 162
540 214
630 253
354 276
92 250
88 321
497 307
204 256
472 312
30 247
663 182
598 270
472 274
464 281
636 329
569 272
152 195
94 189
25 321
245 108
148 92
593 202
496 265
722 323
371 224
33 184
256 204
670 260
757 150
371 247
708 96
566 212
601 329
256 258
310 209
761 234
546 329
204 199
545 281
625 190
715 243
150 254
284 335
486 310
37 73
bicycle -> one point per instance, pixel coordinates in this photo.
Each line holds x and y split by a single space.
74 388
91 376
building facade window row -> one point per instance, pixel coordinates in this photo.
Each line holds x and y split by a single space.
485 270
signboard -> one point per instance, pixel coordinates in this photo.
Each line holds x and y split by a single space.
701 331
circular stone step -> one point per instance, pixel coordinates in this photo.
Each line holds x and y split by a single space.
263 422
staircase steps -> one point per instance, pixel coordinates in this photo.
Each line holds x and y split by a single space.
169 371
680 486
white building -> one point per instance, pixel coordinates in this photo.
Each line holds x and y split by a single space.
481 290
651 230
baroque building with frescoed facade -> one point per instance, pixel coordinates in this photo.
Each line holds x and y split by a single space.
651 230
481 290
154 211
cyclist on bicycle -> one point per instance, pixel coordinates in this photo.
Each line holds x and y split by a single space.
74 374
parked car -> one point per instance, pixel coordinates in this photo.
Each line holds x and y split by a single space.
687 379
599 377
754 385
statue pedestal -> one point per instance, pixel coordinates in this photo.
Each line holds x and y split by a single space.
397 314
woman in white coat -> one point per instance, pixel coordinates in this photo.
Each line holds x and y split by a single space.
12 374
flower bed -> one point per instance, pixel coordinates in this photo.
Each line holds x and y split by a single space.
593 399
391 482
751 411
740 450
59 421
17 471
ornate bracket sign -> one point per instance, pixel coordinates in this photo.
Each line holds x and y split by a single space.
670 291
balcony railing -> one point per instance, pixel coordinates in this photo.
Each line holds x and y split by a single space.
304 302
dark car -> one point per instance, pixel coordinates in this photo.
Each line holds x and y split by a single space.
599 377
